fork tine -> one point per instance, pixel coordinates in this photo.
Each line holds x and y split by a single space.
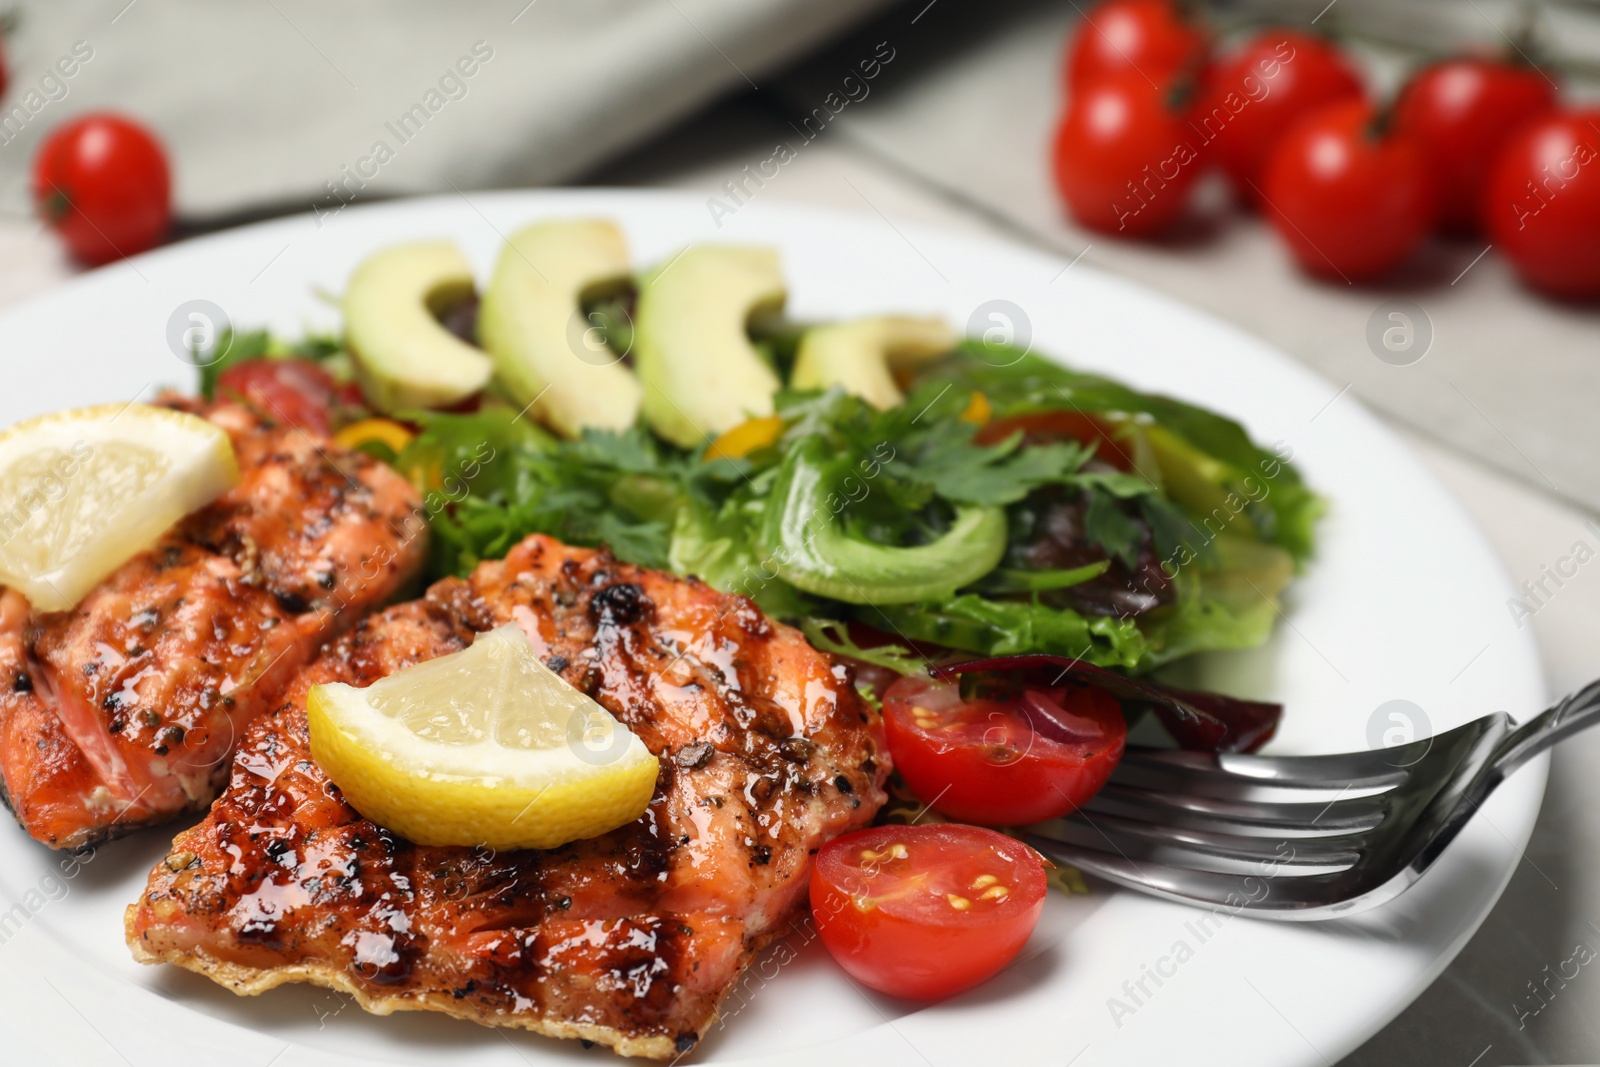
1320 852
1189 887
1204 813
1305 895
1359 770
1212 781
1355 770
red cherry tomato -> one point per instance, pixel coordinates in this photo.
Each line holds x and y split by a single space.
1541 206
349 395
1461 112
101 181
1253 97
1350 200
1045 427
925 911
1125 157
1149 37
292 391
1022 758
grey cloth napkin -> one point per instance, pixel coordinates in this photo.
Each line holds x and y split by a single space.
274 104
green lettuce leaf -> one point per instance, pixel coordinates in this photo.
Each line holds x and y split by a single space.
833 635
721 551
1005 627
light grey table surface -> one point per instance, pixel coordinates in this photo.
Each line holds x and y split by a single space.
965 160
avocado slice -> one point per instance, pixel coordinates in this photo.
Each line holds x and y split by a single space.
1199 482
803 535
861 355
404 357
532 324
701 375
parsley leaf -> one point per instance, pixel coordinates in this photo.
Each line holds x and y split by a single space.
1119 484
966 473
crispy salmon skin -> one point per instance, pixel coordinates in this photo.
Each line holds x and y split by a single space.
123 711
629 939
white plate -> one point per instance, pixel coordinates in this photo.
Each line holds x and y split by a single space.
1405 602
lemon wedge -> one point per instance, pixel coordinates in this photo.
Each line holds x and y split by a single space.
84 491
486 746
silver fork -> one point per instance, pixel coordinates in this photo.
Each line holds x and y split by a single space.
1257 834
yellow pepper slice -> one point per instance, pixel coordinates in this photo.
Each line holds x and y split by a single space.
388 431
978 410
746 437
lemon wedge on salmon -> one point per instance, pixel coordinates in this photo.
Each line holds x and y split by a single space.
486 746
84 491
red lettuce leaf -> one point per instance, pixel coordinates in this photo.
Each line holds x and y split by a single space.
1203 722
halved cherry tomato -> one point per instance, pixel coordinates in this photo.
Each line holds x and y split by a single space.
1147 37
1020 758
1461 112
1254 96
292 391
925 911
1043 427
101 181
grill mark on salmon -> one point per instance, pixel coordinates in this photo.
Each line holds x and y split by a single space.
123 711
630 939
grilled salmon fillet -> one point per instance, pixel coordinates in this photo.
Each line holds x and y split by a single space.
629 939
123 711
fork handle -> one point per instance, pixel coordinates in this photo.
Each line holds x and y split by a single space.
1576 712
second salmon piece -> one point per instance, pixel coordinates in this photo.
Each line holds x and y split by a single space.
632 939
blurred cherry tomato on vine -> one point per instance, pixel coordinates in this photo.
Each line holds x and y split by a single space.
1541 203
1149 37
1254 96
1351 198
1461 112
101 181
1125 158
